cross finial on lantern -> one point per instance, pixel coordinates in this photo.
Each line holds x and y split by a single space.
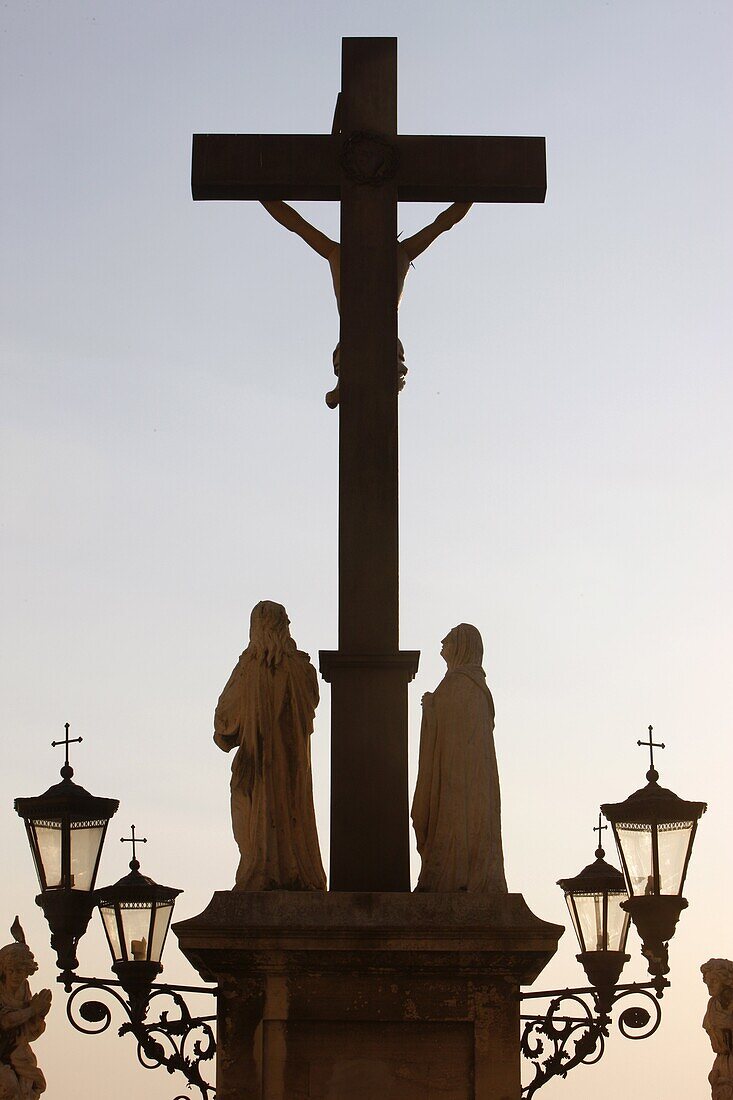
599 829
67 771
652 775
134 864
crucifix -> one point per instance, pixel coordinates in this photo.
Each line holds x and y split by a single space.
368 167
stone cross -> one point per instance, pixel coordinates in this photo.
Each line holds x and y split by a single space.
368 167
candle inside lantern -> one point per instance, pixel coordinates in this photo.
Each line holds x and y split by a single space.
139 949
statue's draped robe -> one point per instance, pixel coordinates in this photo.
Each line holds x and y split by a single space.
268 713
456 810
17 1053
718 1023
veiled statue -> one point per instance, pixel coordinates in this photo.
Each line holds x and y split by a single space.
266 713
456 810
718 1022
22 1021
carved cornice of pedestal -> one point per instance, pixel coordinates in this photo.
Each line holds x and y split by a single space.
266 932
404 661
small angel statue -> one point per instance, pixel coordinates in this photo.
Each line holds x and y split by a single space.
718 977
22 1020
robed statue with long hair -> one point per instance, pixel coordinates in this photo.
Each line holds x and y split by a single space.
266 713
456 810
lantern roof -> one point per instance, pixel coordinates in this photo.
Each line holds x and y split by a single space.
67 799
136 889
598 877
653 805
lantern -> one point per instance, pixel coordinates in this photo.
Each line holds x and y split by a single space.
594 899
654 832
136 913
66 827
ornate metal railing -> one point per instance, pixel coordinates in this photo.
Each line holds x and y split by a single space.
572 1031
574 1028
173 1039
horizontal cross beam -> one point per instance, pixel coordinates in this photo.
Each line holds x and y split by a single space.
308 167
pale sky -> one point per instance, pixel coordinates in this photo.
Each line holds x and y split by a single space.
168 459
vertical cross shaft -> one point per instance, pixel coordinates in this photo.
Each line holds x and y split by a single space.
368 675
368 517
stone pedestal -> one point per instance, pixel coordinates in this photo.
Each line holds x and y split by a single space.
368 996
370 814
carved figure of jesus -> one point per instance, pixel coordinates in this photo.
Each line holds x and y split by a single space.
407 251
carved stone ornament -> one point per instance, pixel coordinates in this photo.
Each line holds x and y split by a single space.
718 1022
22 1020
369 158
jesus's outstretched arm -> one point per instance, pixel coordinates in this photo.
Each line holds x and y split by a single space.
292 220
413 246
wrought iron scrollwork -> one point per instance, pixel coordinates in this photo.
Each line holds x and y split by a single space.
574 1029
637 1021
175 1039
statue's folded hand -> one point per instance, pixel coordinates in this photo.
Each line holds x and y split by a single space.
41 1002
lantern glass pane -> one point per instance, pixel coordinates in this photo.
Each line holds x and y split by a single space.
136 926
636 844
590 914
162 921
576 926
48 840
673 840
109 917
618 923
86 839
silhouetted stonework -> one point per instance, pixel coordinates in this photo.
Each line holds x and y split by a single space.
352 996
